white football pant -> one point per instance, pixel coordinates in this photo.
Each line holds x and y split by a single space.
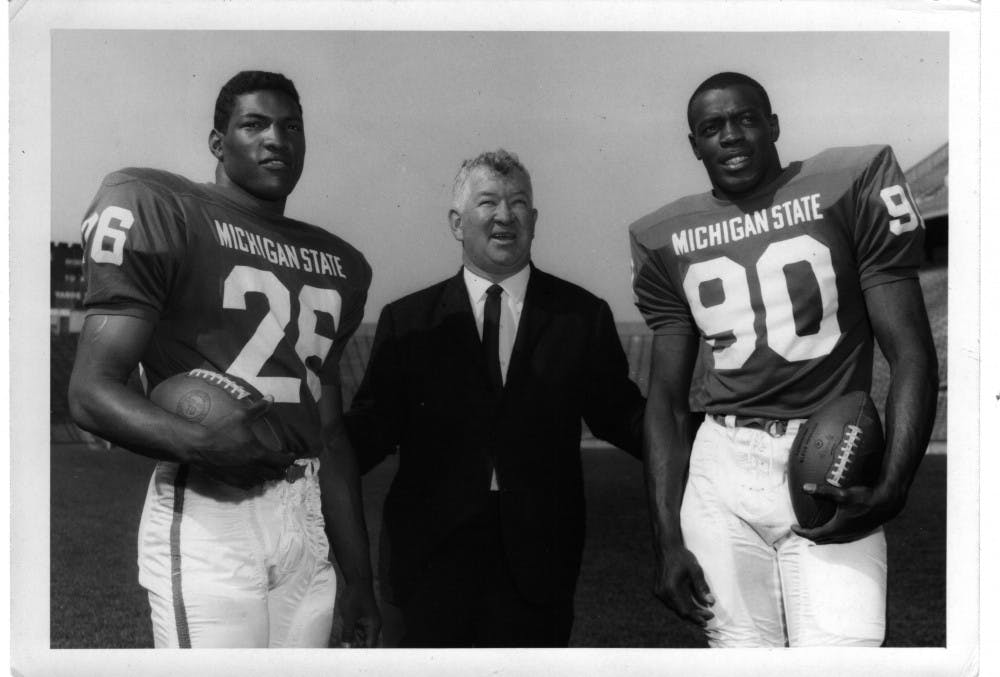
229 568
772 587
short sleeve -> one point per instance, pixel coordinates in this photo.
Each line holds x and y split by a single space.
888 231
351 315
133 240
662 307
355 313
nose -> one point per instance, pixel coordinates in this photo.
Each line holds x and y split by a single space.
275 137
502 213
731 132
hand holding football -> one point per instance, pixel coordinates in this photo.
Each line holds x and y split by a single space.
207 398
841 445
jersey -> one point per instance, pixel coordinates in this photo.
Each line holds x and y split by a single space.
774 284
229 288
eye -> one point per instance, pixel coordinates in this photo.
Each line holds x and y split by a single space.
294 126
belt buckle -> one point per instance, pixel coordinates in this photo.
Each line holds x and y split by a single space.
775 427
294 472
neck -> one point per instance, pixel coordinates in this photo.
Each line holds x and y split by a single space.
765 180
495 278
273 207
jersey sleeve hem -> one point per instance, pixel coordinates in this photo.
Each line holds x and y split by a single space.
142 312
887 276
670 330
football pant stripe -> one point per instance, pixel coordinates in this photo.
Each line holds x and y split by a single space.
180 613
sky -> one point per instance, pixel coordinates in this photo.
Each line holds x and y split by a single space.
597 117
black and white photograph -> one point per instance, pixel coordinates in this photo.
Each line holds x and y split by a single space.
495 337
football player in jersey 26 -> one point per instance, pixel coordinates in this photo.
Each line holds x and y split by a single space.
234 540
775 284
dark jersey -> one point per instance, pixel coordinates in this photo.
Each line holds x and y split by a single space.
262 297
773 284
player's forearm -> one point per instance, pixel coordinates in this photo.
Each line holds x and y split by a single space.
343 509
666 452
899 321
668 433
118 414
910 409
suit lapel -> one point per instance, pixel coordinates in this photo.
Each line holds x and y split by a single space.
535 315
455 312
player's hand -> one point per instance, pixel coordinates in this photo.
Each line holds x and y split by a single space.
860 510
680 584
361 619
231 453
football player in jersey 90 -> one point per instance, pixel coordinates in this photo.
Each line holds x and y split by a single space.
733 132
235 537
779 280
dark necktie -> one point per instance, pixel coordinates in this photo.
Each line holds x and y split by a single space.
491 337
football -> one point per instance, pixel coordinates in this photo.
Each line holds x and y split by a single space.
206 397
841 445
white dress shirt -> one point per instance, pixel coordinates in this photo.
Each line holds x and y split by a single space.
511 304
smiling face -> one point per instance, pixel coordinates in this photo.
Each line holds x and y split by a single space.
262 150
733 135
495 222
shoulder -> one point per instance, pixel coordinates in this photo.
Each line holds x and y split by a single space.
336 243
850 159
428 296
567 293
314 236
153 181
669 215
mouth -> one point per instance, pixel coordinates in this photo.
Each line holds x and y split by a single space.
503 236
736 162
275 163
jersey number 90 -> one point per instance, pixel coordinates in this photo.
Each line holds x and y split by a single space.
734 315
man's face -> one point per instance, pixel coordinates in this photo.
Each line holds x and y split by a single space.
495 223
734 137
263 148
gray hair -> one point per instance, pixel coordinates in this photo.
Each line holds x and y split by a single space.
500 161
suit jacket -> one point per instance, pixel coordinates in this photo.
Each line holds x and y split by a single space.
426 392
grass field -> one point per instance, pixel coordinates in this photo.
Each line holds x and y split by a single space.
96 601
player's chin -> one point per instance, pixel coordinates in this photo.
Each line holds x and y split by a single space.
739 183
273 191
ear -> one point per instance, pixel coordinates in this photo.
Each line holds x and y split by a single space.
455 223
694 146
215 144
772 122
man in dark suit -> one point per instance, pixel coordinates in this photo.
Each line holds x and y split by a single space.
481 382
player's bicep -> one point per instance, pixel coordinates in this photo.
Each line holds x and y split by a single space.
108 351
110 347
899 321
672 365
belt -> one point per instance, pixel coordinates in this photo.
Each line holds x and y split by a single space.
772 426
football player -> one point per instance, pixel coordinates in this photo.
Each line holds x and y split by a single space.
233 545
781 278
